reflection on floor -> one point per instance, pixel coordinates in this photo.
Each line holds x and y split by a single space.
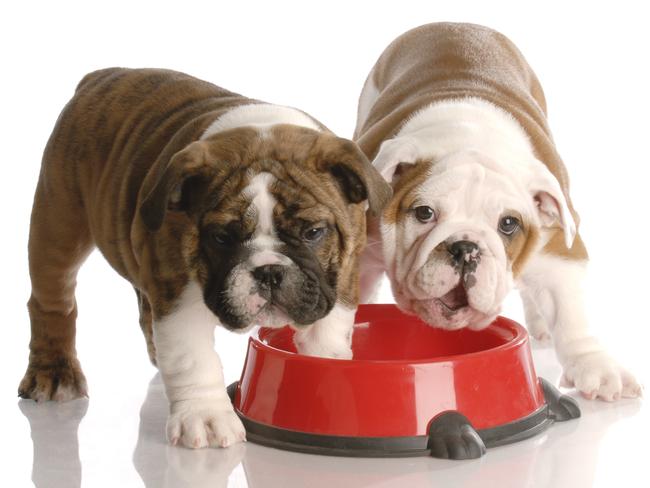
549 459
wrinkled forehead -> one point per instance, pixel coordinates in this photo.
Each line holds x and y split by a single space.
469 189
246 146
259 197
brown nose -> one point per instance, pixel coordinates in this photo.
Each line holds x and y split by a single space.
464 251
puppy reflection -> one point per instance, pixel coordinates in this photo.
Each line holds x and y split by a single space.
162 466
54 428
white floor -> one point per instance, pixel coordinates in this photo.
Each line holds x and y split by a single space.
83 443
117 437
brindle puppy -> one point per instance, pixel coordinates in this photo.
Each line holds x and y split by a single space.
218 209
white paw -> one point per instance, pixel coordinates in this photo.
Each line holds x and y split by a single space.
543 337
204 423
538 330
311 345
597 375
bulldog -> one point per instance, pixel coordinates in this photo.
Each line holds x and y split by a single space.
454 118
218 209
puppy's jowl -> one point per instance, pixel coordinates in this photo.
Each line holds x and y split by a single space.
455 119
218 209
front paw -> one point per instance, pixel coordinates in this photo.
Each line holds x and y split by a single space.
204 423
597 375
312 345
60 379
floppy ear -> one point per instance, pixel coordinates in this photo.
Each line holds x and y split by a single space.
180 186
551 203
357 178
392 153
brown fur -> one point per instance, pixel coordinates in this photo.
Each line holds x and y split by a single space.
118 152
521 247
412 176
444 61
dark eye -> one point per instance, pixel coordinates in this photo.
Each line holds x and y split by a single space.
220 238
314 234
424 214
508 225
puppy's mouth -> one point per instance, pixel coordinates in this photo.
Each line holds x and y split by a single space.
454 300
273 315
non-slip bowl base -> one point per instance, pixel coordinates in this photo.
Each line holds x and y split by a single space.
451 434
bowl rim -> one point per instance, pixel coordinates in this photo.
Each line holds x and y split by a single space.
520 338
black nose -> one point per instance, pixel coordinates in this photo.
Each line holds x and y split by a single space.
269 274
464 250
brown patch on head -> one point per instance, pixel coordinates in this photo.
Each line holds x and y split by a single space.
411 177
557 247
520 246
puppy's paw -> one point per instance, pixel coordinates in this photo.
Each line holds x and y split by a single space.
538 329
543 338
204 423
597 375
59 380
311 346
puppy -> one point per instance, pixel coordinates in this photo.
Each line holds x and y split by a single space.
218 209
455 119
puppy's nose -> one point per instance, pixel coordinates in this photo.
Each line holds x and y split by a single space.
464 251
269 274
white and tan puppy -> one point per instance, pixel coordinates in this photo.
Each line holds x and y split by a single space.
218 209
455 119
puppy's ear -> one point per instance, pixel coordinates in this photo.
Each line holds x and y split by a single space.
551 203
357 178
179 188
393 153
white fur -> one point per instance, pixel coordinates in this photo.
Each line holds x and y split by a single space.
262 116
261 206
554 287
200 411
485 165
330 336
445 128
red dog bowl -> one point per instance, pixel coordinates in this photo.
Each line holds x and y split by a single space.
411 389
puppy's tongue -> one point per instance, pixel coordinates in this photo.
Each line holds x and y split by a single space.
455 299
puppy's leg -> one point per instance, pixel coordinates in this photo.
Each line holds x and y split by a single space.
535 321
201 414
59 242
146 324
330 336
555 284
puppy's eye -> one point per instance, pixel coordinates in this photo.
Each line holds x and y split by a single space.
314 234
508 225
219 238
424 214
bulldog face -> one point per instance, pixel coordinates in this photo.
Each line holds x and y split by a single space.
276 217
271 254
458 232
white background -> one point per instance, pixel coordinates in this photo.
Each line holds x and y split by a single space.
591 58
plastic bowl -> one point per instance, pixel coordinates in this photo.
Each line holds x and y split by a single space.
411 389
